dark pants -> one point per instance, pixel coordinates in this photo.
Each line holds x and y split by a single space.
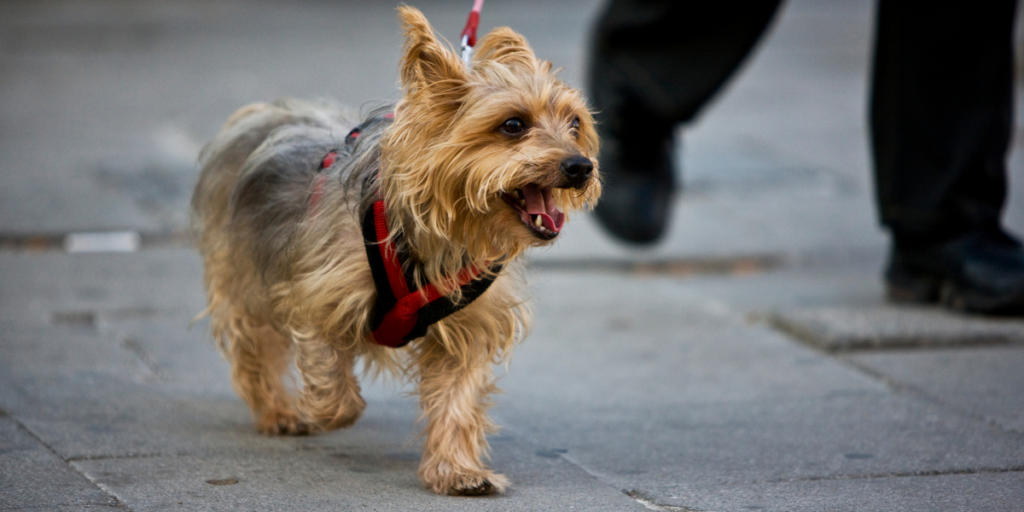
941 104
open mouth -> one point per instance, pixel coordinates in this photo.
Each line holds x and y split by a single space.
537 210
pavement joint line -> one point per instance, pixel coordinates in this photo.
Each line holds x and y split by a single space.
649 502
22 426
894 474
132 345
563 455
54 242
126 456
91 317
675 267
69 506
685 266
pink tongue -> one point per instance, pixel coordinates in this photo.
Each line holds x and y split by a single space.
540 202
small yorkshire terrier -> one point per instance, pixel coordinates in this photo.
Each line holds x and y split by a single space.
398 243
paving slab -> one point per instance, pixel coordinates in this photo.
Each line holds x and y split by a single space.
854 282
359 476
839 329
33 477
737 443
92 387
984 382
94 416
128 392
47 288
795 229
989 492
624 341
659 384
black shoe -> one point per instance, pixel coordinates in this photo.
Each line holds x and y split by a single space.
634 206
979 272
638 185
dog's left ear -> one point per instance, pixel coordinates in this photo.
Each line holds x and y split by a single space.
427 64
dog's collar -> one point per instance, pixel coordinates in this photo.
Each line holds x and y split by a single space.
401 312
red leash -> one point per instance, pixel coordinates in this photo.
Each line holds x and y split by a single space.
469 33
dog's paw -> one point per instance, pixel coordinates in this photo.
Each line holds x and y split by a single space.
283 424
485 488
481 484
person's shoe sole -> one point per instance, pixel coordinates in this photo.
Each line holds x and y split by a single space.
924 289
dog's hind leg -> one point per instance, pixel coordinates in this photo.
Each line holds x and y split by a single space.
260 357
454 397
330 396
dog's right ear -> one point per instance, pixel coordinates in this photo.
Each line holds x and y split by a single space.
508 47
428 63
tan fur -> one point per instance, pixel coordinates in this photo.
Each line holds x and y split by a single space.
286 281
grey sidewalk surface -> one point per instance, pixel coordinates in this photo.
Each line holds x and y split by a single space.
748 362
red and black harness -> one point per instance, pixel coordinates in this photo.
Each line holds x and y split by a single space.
402 312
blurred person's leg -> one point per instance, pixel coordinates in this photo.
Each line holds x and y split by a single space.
941 119
654 64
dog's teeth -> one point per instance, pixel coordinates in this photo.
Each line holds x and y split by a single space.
537 221
522 202
519 193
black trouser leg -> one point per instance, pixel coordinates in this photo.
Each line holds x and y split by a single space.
671 56
654 64
941 115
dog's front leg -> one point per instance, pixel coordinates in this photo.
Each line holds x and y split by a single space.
330 396
454 398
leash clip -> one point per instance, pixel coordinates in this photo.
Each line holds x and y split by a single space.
467 50
468 38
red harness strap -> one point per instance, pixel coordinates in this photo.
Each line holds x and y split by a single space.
400 321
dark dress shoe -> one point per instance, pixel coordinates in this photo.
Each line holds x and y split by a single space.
636 193
979 272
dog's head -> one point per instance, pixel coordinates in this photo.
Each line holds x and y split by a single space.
488 156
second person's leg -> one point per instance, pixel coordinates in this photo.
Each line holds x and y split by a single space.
654 64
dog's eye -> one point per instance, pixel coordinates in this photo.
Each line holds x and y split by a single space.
513 126
575 127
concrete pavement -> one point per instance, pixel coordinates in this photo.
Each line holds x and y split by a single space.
746 363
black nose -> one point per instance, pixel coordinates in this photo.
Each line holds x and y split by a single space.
578 169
